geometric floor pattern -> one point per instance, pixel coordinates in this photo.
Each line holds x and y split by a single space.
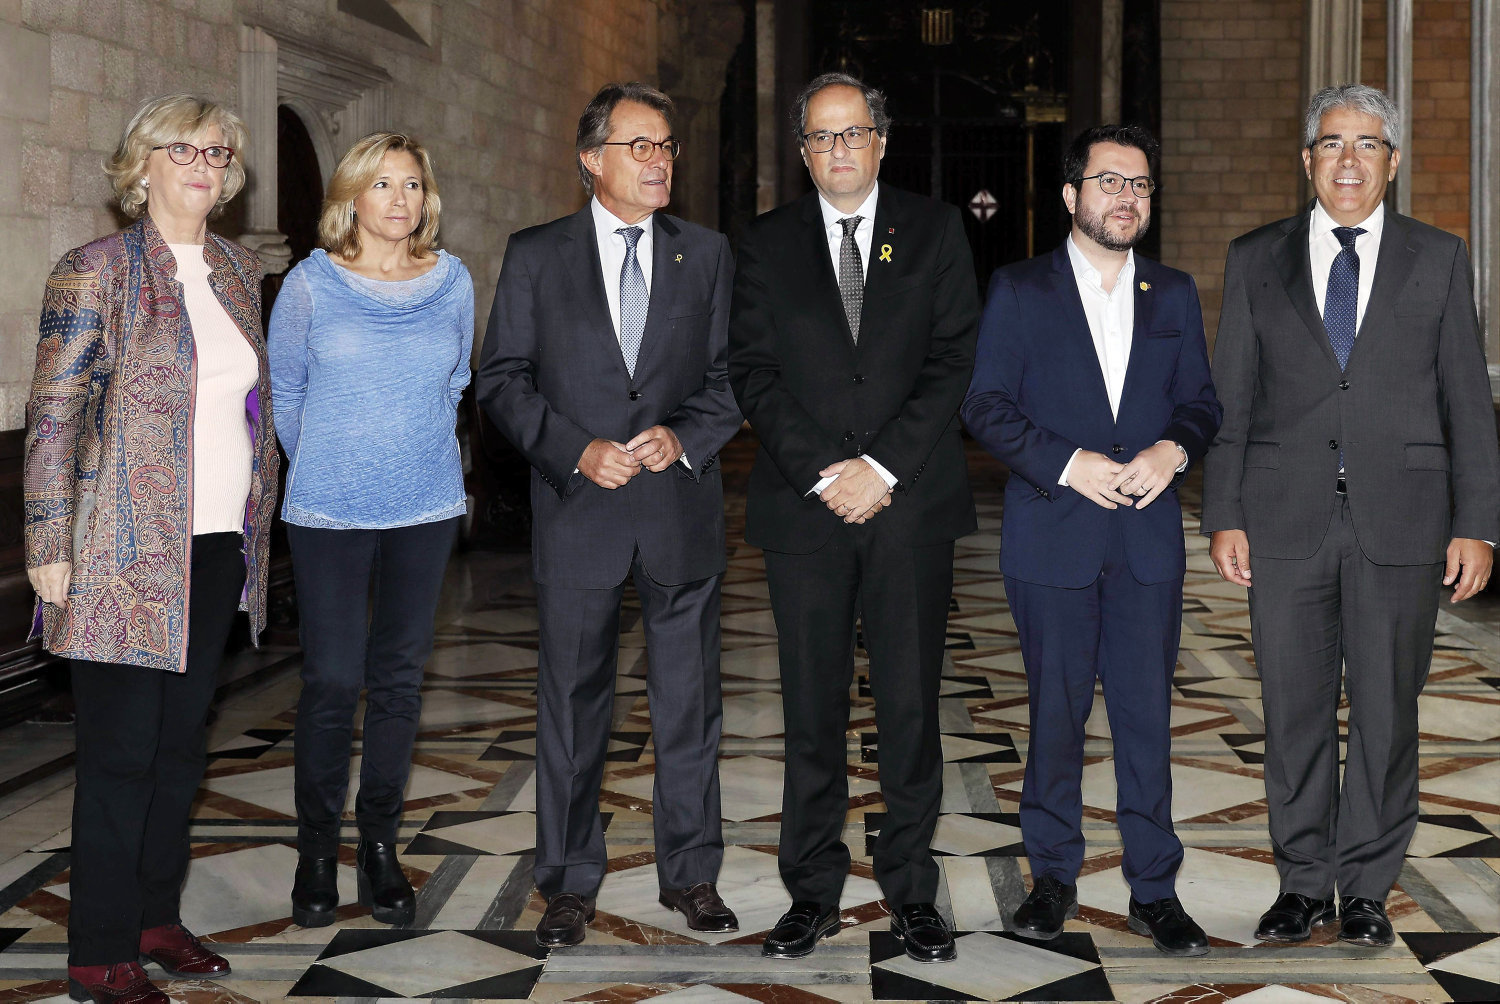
468 831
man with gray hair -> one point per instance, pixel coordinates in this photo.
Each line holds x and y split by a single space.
1356 470
605 364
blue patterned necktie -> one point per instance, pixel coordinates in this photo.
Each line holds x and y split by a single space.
634 299
1341 304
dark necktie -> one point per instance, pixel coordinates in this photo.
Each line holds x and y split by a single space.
1341 304
634 299
851 275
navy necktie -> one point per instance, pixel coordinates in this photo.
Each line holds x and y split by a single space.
1341 304
634 299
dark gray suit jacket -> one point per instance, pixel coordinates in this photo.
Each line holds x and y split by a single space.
1412 410
552 378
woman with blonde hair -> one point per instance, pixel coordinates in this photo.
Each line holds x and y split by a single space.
150 485
369 343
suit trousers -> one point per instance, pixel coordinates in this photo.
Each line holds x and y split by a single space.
580 641
1124 634
140 758
900 594
367 599
1309 619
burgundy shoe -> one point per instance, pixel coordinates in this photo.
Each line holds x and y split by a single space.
123 983
181 954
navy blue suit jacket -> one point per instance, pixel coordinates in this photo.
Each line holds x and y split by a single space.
1038 395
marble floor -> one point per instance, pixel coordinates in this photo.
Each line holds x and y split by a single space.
468 830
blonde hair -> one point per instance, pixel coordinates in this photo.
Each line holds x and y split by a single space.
174 118
357 171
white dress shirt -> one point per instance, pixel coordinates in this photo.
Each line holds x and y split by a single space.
1323 248
864 235
612 254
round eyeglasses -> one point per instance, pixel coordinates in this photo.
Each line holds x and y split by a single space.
1111 183
183 154
643 149
855 138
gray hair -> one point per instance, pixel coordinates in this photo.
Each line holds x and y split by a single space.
874 100
594 124
1356 97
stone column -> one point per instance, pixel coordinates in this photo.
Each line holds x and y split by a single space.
1333 35
1111 66
767 120
1398 86
257 106
1484 151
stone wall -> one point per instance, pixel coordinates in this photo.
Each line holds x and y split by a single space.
1231 118
493 87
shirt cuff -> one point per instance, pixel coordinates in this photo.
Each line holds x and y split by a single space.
683 460
1180 449
885 475
1062 478
817 489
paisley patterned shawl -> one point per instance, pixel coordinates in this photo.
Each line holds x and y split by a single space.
109 445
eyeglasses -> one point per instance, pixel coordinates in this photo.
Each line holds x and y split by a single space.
643 149
183 154
1330 148
855 138
1111 183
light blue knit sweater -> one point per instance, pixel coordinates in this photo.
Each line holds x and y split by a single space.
365 382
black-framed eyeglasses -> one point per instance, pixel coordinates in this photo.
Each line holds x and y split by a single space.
183 154
1111 183
1331 147
855 138
643 149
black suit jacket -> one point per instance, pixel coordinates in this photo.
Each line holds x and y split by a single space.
1412 410
552 378
814 397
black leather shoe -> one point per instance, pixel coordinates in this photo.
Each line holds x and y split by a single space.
1293 916
382 884
923 933
563 923
1041 914
701 907
1169 927
1363 922
315 891
798 931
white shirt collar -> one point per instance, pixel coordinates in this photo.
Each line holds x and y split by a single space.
1084 270
606 222
1322 224
831 216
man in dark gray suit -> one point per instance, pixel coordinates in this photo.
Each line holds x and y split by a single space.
605 364
1356 469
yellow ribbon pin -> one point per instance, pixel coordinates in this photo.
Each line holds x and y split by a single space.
1145 286
885 252
678 258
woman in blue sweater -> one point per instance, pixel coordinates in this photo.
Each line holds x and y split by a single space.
369 353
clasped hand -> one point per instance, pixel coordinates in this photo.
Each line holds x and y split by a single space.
51 581
1136 483
857 493
609 464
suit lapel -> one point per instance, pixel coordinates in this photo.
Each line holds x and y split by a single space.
887 216
816 268
580 253
1294 268
1074 325
1393 266
666 246
1145 295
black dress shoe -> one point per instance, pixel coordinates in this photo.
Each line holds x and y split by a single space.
923 933
1363 922
701 907
563 923
315 891
382 884
1171 930
798 931
1041 914
1293 916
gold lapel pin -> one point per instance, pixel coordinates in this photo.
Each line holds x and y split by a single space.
885 252
678 258
1145 286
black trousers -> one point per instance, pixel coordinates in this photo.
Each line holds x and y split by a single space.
901 594
580 640
140 758
367 599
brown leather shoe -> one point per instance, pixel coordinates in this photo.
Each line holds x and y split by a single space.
701 906
123 983
181 954
563 923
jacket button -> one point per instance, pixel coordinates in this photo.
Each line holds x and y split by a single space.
848 437
635 395
1117 448
1343 385
1333 444
859 378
